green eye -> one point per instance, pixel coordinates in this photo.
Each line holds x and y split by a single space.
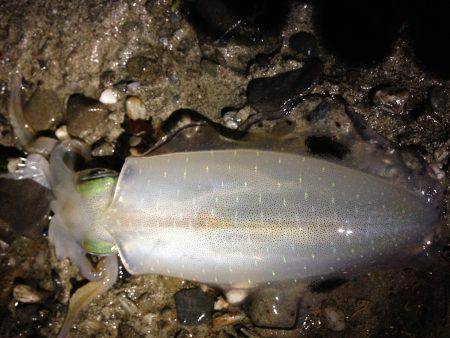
96 181
95 247
96 186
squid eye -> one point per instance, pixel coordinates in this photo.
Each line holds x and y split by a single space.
98 247
93 182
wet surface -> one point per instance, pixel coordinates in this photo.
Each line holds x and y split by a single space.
193 64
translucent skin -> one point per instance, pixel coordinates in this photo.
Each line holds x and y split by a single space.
246 217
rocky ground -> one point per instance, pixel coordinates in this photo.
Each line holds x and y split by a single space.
113 73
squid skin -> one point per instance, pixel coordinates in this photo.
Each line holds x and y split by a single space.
247 217
236 218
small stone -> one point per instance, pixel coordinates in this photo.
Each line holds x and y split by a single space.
104 149
134 141
221 304
133 86
303 43
274 308
334 318
194 306
109 96
61 133
391 99
26 294
44 110
136 109
84 114
230 120
270 95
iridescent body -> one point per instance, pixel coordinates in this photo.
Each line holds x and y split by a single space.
246 217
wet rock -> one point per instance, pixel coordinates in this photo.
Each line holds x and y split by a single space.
144 68
334 318
84 114
194 306
274 308
26 294
391 99
15 195
304 44
136 109
272 96
44 110
320 112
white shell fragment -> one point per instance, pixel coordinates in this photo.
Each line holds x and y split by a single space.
109 96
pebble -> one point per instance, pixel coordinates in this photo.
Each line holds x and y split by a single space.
134 140
84 114
136 109
303 43
194 306
133 86
268 95
230 120
391 99
104 149
26 294
61 133
109 96
220 304
274 308
44 110
334 318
